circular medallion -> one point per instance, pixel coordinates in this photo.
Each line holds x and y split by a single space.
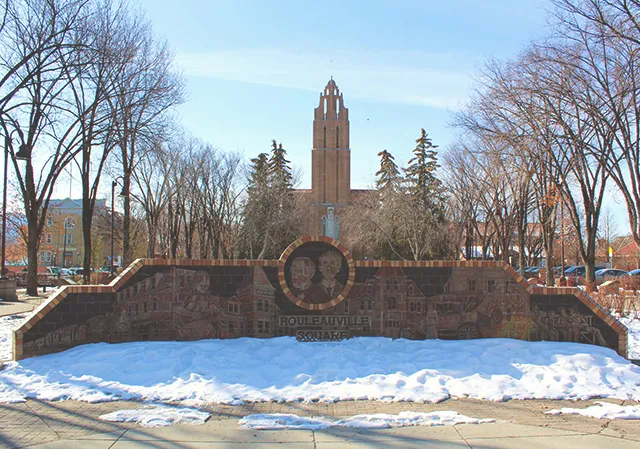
316 272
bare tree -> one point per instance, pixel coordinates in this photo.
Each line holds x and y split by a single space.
147 89
38 44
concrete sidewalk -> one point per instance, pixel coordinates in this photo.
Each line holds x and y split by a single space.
520 424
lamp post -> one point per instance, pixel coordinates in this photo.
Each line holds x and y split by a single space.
23 154
64 242
113 214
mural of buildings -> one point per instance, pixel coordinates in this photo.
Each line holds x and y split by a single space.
192 300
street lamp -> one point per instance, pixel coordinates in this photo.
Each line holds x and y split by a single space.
113 213
23 154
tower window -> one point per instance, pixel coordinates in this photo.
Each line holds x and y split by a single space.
324 139
337 137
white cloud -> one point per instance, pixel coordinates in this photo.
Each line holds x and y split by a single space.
429 79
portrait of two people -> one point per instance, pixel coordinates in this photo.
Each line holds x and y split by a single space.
305 284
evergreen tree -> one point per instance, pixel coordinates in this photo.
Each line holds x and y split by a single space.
257 207
388 174
279 170
423 184
427 236
270 218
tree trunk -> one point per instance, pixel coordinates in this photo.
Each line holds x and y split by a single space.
87 218
32 254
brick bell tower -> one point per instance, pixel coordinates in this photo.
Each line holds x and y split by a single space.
331 161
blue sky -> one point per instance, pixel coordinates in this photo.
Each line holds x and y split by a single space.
255 68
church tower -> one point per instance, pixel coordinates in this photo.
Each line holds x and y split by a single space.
331 160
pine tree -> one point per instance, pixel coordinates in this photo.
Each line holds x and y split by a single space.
257 208
270 218
423 184
279 170
388 174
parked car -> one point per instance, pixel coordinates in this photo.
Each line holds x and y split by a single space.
532 271
610 273
634 272
557 271
576 274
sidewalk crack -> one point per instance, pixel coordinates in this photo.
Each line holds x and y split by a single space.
42 419
462 436
118 439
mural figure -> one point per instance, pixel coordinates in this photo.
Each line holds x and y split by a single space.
582 329
329 264
302 271
195 317
431 322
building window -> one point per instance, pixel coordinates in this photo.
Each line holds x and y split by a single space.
393 304
369 288
144 307
491 286
69 223
266 327
231 327
370 304
412 306
69 238
49 239
266 306
395 285
411 289
233 307
49 221
155 304
259 327
472 285
259 306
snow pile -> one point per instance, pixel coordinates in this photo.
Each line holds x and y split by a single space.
603 410
283 421
158 416
283 369
7 324
633 343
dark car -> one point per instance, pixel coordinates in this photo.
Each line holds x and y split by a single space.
610 273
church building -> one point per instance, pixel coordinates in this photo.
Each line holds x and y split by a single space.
331 164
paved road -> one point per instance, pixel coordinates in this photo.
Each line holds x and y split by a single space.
521 424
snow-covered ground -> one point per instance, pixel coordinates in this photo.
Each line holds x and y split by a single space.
158 416
602 410
633 325
282 369
284 421
7 324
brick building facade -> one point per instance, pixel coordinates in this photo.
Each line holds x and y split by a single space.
330 165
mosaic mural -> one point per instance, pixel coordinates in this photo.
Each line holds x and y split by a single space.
315 292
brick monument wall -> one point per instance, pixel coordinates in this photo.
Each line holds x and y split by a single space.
315 292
